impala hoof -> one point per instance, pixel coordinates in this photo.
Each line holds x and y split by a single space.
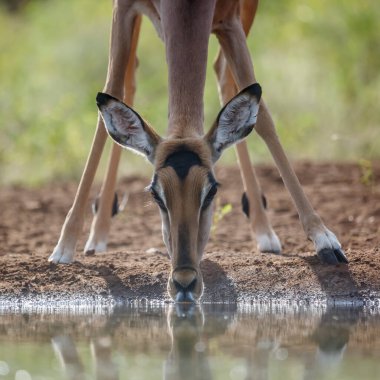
269 243
328 247
332 256
62 255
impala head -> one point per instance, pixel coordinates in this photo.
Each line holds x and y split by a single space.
183 184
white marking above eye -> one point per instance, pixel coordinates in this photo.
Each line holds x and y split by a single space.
161 193
159 190
204 192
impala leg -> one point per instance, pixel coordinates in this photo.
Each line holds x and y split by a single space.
101 222
101 352
97 241
67 354
328 247
122 25
267 240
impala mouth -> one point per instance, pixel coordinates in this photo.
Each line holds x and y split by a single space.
184 285
185 294
184 297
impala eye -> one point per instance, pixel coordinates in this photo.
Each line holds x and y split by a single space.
158 200
210 196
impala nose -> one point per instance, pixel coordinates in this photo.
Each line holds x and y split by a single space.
184 281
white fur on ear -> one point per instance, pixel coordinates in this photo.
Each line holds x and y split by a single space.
126 127
240 114
236 120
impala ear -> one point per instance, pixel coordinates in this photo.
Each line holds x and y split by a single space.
126 126
235 121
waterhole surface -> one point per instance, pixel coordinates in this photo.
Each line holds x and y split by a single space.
209 342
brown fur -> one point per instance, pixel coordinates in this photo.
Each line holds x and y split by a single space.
185 27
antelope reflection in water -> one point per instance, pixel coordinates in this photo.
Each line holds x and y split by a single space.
190 332
329 339
101 352
191 329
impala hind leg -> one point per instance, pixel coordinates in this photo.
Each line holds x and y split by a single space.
252 201
233 41
326 244
106 207
121 36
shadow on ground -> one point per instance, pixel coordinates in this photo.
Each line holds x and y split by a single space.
218 286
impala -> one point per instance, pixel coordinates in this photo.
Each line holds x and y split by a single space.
184 184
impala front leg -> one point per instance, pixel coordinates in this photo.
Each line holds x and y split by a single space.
121 35
65 249
98 238
233 42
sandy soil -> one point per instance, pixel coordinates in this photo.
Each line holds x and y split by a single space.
31 219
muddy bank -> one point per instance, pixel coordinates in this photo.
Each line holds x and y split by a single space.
233 269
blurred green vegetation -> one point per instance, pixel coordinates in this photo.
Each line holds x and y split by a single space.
317 60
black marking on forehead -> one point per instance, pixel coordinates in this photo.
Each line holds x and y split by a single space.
181 161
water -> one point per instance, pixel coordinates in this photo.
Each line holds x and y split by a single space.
212 342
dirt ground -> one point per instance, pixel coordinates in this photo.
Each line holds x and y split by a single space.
233 269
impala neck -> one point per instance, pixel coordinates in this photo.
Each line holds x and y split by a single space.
187 27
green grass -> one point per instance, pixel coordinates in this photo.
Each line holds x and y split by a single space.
317 61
